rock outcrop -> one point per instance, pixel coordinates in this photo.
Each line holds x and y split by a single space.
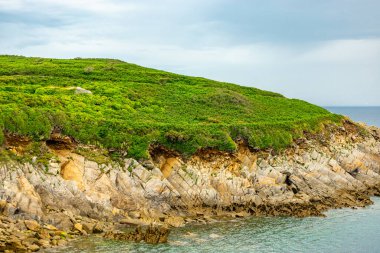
29 235
79 90
149 234
339 168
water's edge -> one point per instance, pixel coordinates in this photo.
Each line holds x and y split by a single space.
337 167
369 115
343 230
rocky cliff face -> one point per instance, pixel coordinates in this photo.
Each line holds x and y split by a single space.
340 168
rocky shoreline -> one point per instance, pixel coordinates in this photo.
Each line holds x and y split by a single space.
141 200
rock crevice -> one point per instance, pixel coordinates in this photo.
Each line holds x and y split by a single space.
304 180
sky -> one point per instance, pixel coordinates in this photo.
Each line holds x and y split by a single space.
326 52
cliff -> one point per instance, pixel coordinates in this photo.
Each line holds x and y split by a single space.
340 167
99 145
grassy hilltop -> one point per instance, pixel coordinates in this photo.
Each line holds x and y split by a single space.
133 107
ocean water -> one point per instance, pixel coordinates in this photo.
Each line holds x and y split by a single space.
343 230
368 115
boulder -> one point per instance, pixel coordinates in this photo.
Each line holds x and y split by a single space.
175 221
98 228
78 227
79 90
134 214
149 234
32 225
34 248
88 227
130 221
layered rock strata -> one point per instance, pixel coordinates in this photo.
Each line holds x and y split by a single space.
337 168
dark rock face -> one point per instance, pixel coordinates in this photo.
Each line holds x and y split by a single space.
149 234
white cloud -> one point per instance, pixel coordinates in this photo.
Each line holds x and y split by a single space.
330 73
98 6
343 51
174 36
11 5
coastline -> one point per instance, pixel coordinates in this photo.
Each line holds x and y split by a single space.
354 228
339 168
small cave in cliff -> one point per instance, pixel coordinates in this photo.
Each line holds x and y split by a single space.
157 151
60 142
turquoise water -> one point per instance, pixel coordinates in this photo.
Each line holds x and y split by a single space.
343 230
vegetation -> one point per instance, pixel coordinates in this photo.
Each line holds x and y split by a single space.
132 107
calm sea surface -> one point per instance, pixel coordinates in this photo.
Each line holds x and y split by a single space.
343 230
368 115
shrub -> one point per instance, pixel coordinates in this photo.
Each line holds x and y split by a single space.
174 136
88 69
133 107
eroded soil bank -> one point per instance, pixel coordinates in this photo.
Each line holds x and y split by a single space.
45 206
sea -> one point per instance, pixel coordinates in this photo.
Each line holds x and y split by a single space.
342 230
368 115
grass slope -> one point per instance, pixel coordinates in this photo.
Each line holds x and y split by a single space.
133 107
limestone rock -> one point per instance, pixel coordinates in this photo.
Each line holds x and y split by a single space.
305 179
88 227
175 221
50 227
134 214
79 90
78 227
32 225
98 228
71 170
34 248
130 221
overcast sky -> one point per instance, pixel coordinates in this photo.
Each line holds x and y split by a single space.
325 52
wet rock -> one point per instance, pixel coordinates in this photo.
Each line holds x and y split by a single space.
61 221
130 221
98 228
242 214
88 227
33 248
175 221
30 237
214 236
61 242
156 234
305 179
79 227
149 234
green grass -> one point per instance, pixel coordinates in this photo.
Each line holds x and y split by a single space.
132 107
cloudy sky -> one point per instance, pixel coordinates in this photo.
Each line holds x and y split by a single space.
326 51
